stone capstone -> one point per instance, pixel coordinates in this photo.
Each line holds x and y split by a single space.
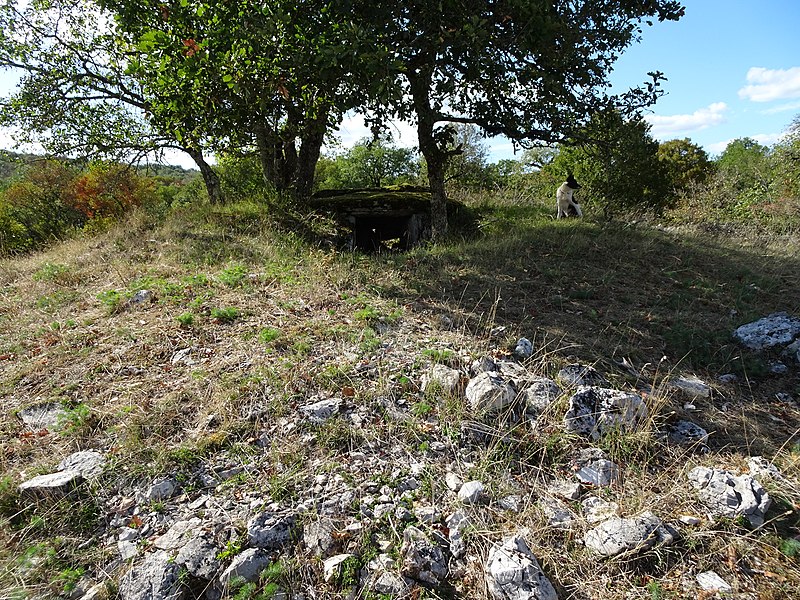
512 572
53 484
595 411
728 495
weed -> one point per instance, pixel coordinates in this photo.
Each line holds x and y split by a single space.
51 272
268 334
225 315
233 276
185 319
111 299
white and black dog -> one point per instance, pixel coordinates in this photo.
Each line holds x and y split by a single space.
564 199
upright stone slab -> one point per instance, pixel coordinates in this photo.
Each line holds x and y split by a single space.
512 572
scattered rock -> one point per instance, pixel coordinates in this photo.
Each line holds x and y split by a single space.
330 566
538 395
272 530
442 377
390 584
199 557
686 433
141 298
472 492
488 392
178 535
86 462
692 387
157 577
52 485
322 410
482 365
318 537
728 495
456 524
596 509
161 490
247 565
761 467
512 572
50 415
423 560
558 514
578 375
711 582
777 329
593 468
523 349
594 411
617 535
569 490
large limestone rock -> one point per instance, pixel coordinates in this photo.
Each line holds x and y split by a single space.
512 572
157 577
489 392
273 530
777 329
594 411
617 535
728 495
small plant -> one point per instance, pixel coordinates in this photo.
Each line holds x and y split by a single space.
268 334
51 272
437 355
186 319
225 315
111 299
232 548
68 579
233 276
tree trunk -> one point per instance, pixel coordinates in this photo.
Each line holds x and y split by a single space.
310 149
435 157
210 177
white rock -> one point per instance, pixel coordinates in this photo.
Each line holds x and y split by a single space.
596 509
523 349
512 572
453 481
728 495
594 411
711 582
321 411
778 329
88 463
489 392
617 535
443 377
247 565
471 492
53 484
693 387
330 566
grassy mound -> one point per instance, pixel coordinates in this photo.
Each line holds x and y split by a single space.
272 321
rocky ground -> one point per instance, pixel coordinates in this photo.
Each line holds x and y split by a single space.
317 442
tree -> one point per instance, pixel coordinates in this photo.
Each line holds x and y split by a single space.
77 96
619 167
528 69
687 163
744 166
373 162
269 76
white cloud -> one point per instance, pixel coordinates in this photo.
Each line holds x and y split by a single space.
674 125
771 84
781 108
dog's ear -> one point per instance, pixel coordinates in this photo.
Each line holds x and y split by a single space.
572 183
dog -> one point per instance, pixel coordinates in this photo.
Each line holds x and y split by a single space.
565 200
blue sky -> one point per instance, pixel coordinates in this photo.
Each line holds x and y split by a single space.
733 70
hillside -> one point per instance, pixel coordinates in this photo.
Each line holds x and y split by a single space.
261 416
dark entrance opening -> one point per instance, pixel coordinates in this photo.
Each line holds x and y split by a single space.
373 233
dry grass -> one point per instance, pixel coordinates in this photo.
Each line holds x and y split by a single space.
309 321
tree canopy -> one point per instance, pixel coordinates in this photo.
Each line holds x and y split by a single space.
272 77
